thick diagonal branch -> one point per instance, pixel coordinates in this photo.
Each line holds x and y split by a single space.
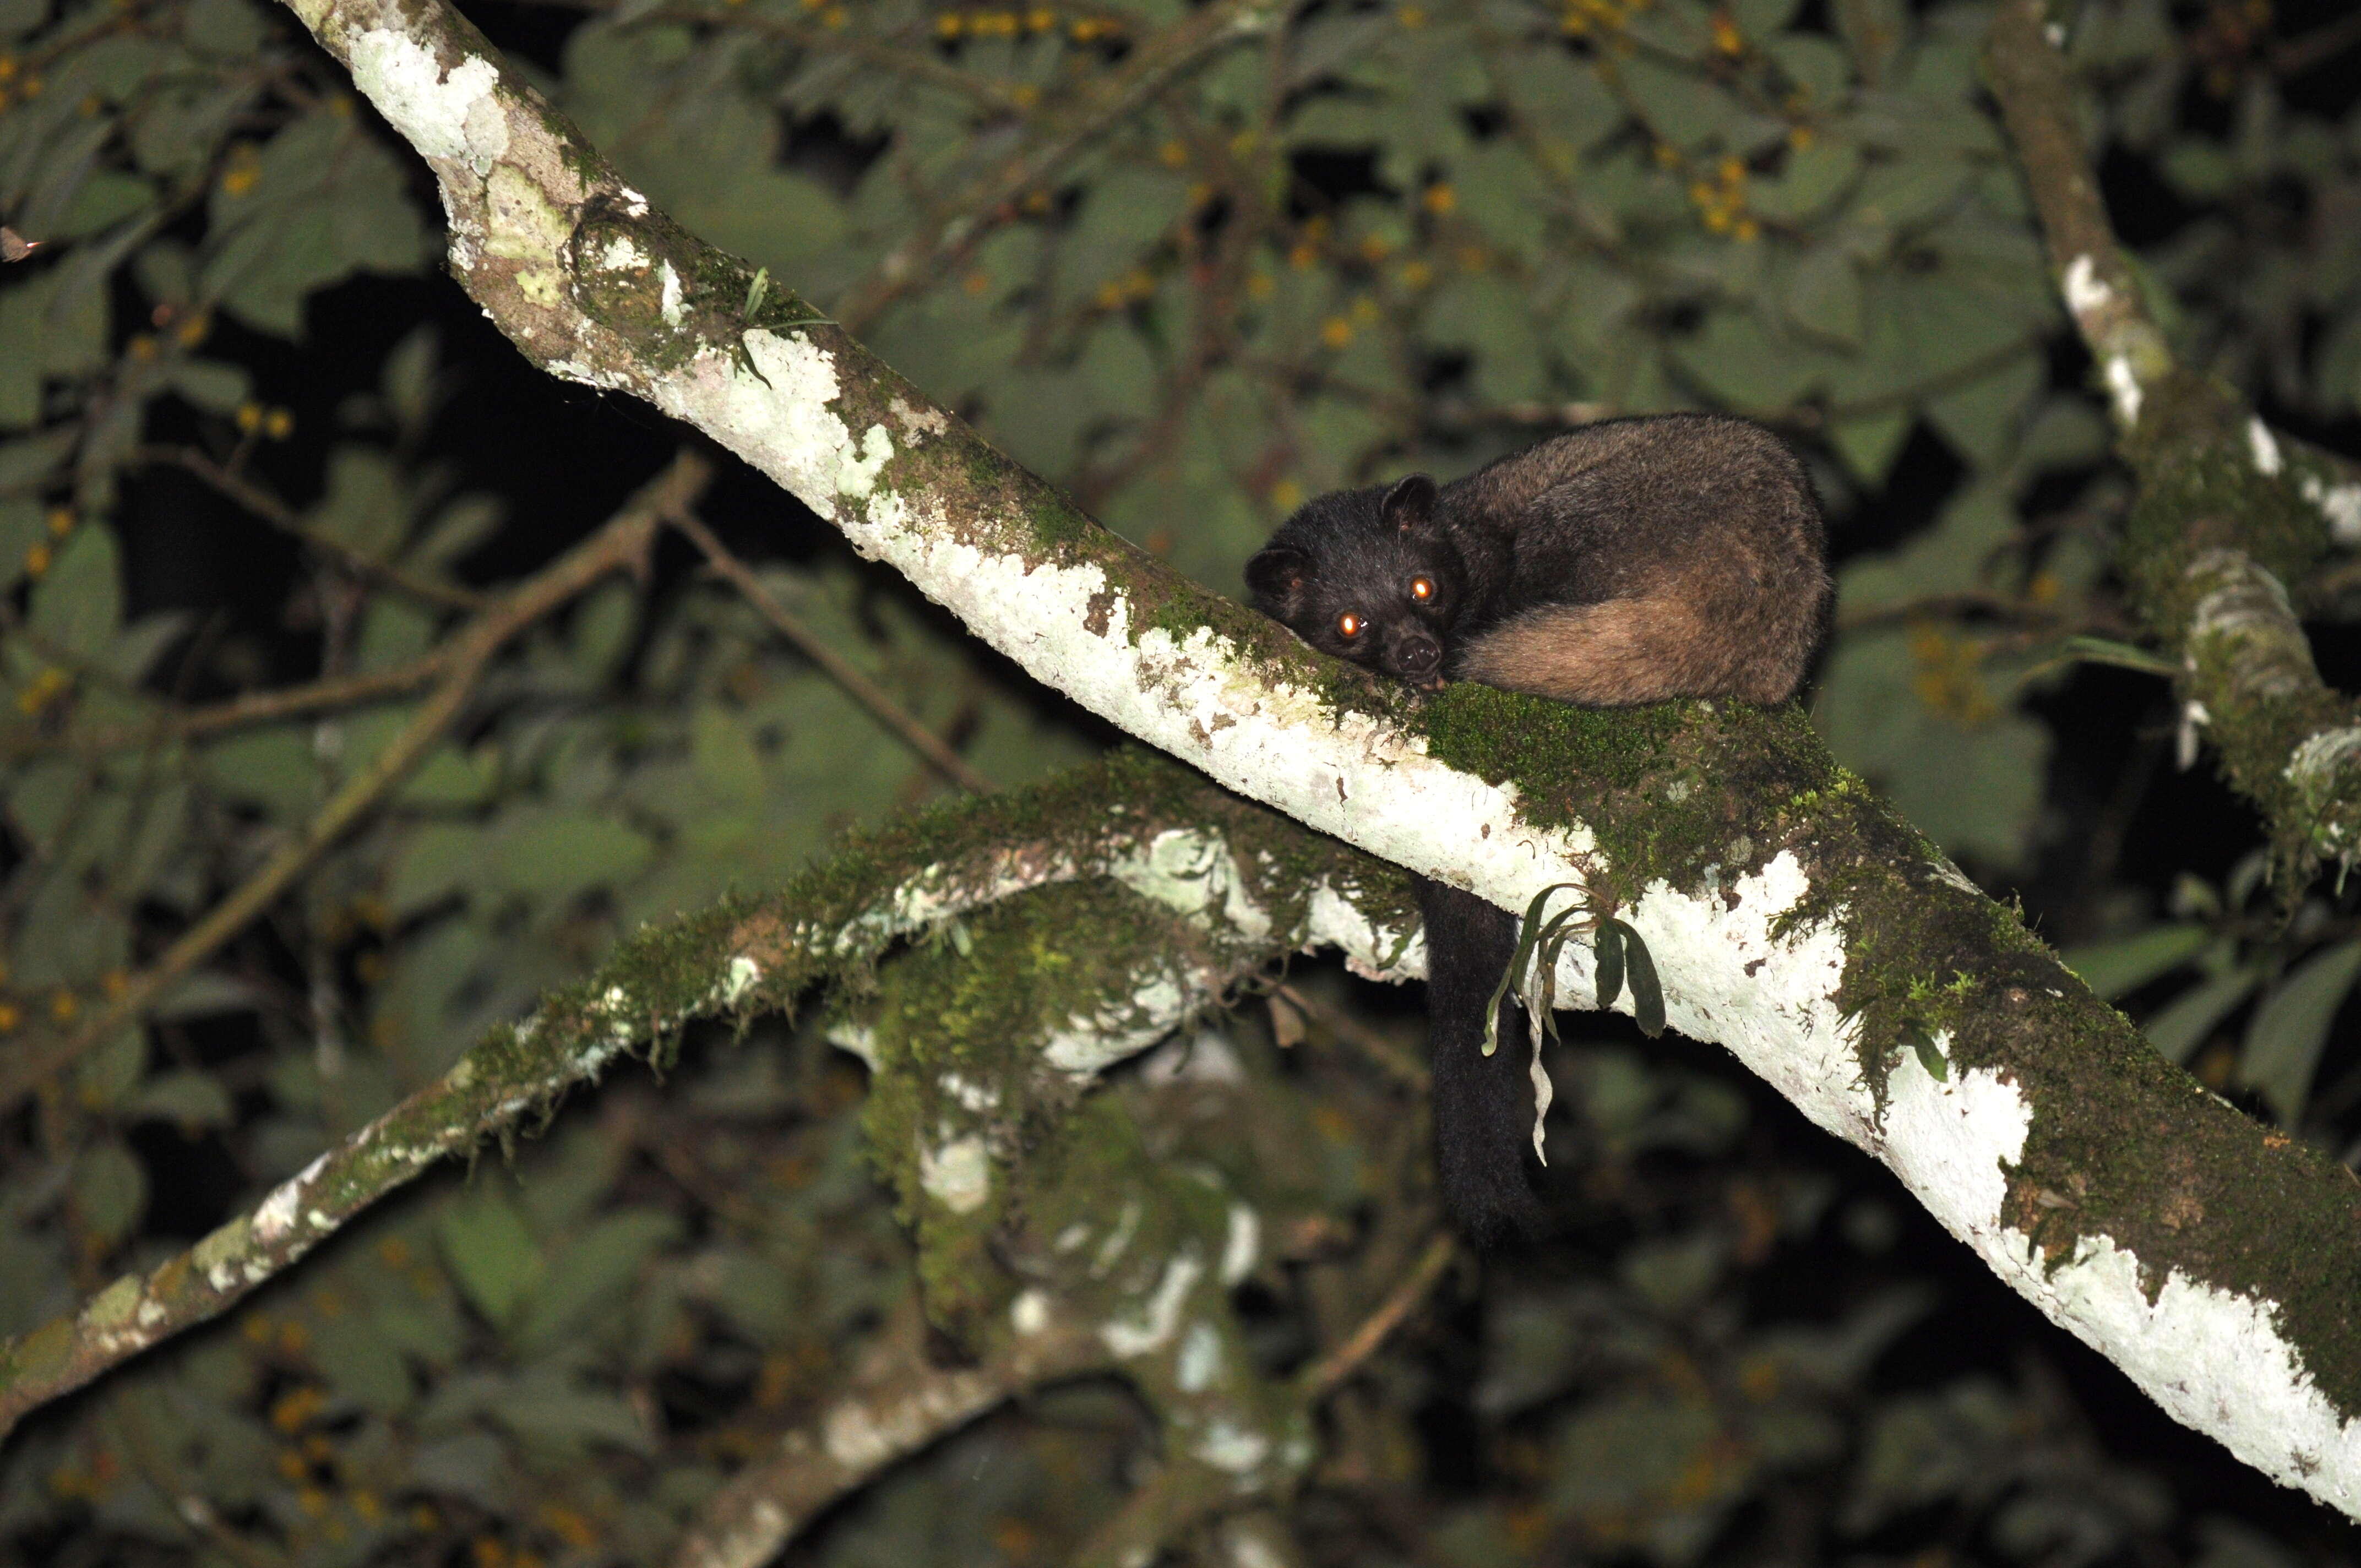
1792 915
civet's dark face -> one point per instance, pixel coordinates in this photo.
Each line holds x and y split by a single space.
1369 576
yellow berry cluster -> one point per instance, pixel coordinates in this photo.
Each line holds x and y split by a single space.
16 82
1582 17
276 424
1117 292
60 523
243 169
1951 676
1721 200
1037 20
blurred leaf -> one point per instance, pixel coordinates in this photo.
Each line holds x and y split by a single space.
230 29
104 1075
323 199
1927 1448
271 767
1966 767
2283 1041
110 1191
593 1272
2186 1022
204 995
78 605
191 1098
1812 177
1825 295
491 1254
211 385
551 853
2113 968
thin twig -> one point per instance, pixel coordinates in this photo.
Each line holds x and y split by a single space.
1399 1066
838 668
2318 46
282 516
1322 1375
904 1402
623 543
258 707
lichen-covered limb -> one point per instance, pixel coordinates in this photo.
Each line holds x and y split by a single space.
1131 816
2227 512
489 1089
1793 917
896 1404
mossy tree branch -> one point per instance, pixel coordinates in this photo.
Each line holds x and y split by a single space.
1210 862
1793 917
2227 512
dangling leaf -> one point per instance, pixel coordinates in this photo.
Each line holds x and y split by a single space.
1541 992
1930 1056
1647 996
1608 945
1529 932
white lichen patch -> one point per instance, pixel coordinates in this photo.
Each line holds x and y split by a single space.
857 1040
917 425
860 1437
622 254
2321 757
856 474
1089 1046
668 299
2213 1359
743 975
957 1175
1241 1245
277 1212
2087 295
1118 1243
1194 875
1371 951
1770 999
1029 1313
1149 1327
970 1095
1953 1140
2123 385
457 115
2264 448
1200 1359
524 225
2340 504
1230 1447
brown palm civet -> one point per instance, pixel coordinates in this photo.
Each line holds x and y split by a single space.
1624 562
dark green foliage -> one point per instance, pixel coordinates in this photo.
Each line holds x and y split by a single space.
1372 239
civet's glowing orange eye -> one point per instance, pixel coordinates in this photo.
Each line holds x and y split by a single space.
1422 588
1349 624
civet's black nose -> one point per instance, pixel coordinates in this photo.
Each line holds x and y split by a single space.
1418 654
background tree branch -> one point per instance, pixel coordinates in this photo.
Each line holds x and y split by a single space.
2228 512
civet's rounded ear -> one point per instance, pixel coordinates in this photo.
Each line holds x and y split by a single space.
1275 577
1411 503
